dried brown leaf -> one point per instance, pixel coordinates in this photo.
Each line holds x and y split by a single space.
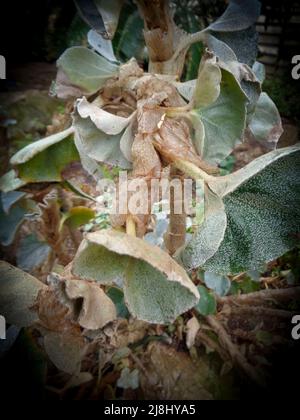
97 308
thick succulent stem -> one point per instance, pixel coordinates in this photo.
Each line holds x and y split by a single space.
175 237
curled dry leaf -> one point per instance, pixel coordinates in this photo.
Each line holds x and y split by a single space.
97 309
156 288
18 293
239 15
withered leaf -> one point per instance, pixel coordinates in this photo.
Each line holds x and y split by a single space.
97 308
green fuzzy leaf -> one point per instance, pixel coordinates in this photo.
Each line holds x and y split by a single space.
117 296
33 149
156 288
131 42
128 379
239 15
233 63
85 69
242 43
101 15
18 292
48 165
265 124
207 305
262 205
223 122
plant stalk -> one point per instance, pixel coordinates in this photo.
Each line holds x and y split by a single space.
176 235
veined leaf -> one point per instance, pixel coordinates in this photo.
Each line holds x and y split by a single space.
265 124
18 292
156 288
240 14
262 203
77 217
223 121
86 69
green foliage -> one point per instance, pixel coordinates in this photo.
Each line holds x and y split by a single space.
285 93
85 69
32 253
223 121
251 216
117 296
207 304
14 207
